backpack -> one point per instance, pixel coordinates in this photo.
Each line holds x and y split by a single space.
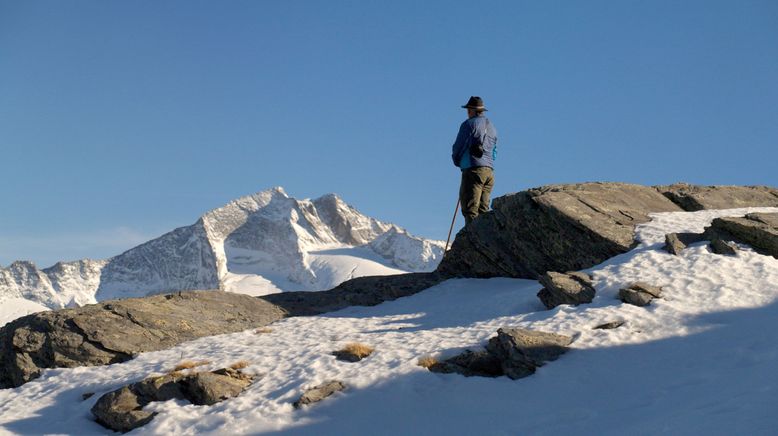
477 147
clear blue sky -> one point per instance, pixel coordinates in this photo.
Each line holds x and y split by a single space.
122 120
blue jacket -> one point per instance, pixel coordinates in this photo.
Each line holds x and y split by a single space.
475 129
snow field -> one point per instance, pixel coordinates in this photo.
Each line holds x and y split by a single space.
702 360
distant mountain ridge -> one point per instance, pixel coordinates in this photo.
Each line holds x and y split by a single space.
287 244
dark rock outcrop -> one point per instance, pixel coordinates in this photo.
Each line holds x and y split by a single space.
694 197
639 293
553 228
361 291
121 410
318 393
759 230
514 352
565 288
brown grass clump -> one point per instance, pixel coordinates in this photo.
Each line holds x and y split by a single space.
189 364
354 352
263 330
427 361
240 364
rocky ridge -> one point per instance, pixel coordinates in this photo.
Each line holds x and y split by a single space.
573 227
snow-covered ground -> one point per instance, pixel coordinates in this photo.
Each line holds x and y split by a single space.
12 308
702 360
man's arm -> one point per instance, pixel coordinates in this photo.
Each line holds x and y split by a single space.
461 145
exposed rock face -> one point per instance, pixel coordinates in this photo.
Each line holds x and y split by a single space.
553 228
513 352
694 197
114 331
639 293
566 288
318 393
759 230
121 410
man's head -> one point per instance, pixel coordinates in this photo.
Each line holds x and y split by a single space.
474 106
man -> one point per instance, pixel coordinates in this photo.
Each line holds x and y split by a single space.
474 152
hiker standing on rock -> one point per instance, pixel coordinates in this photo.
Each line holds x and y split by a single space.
474 152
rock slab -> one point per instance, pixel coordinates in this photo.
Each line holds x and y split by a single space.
566 288
759 230
122 409
114 331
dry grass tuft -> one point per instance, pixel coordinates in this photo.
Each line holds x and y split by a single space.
263 330
240 364
189 364
427 361
358 350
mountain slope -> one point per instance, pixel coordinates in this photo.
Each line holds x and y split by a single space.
257 244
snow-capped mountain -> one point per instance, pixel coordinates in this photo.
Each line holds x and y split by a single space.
262 243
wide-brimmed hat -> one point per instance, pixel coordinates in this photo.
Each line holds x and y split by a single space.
475 103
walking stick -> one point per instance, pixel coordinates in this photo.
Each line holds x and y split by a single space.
456 209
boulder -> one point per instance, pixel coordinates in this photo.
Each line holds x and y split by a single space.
318 393
122 409
723 247
565 288
639 293
521 351
694 197
759 230
553 228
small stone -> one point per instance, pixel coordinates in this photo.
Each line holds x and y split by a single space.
720 246
673 244
318 393
639 294
610 325
87 395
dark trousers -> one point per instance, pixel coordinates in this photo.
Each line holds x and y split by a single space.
475 190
